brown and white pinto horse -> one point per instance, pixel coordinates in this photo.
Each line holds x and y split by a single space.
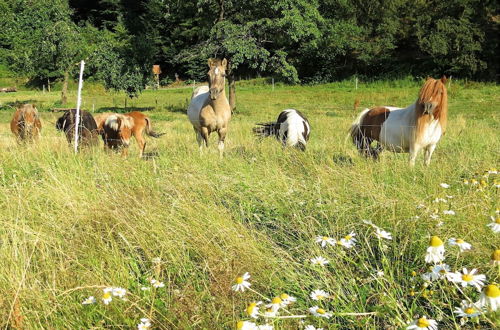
419 126
25 123
117 129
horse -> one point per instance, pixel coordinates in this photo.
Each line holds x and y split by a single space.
291 128
87 128
26 124
209 108
418 126
117 129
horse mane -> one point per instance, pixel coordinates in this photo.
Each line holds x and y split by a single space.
430 89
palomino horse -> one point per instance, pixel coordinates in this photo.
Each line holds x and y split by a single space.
419 126
117 129
87 127
291 128
25 123
209 109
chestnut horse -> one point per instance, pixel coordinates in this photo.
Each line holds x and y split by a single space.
419 126
209 110
25 123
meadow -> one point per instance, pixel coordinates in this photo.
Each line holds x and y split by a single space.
73 225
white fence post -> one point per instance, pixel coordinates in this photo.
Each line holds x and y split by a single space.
78 104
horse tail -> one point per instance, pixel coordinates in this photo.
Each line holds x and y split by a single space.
265 129
357 135
149 130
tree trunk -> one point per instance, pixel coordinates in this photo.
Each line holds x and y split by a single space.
221 11
232 91
64 90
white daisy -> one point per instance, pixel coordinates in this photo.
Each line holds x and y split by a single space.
242 283
311 327
145 324
156 260
495 224
265 327
468 309
444 185
320 312
490 297
349 241
467 278
474 182
107 296
492 171
319 261
246 325
253 309
324 240
449 212
423 323
157 284
89 300
434 216
420 206
145 288
441 271
440 200
319 295
287 300
275 304
119 292
383 234
463 245
435 251
380 273
495 257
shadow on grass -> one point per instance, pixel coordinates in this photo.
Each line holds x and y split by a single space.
122 109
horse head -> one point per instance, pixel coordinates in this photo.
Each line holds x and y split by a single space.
216 76
433 96
121 128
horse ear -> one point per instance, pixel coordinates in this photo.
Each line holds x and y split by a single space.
210 62
443 79
224 63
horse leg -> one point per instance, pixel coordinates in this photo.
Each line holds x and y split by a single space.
222 136
414 149
428 154
204 134
140 141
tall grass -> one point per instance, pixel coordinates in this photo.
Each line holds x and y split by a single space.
74 224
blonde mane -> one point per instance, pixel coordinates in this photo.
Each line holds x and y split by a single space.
433 89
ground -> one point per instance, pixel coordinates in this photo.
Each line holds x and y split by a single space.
73 225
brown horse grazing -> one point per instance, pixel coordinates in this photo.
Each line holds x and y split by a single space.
419 126
26 124
209 110
117 129
87 128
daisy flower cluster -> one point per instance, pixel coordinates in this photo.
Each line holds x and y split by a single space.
489 178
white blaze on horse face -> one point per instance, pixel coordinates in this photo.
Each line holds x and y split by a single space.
216 71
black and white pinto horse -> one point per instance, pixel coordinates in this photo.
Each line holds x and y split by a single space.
291 128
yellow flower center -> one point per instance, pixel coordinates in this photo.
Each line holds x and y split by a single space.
240 325
435 241
277 300
474 181
251 307
320 297
325 238
284 296
442 271
320 311
496 255
412 293
239 280
497 220
466 181
348 237
492 291
106 295
469 310
467 277
413 273
460 241
423 322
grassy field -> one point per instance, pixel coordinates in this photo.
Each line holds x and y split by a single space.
72 225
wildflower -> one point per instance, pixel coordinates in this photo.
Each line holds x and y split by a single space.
380 273
253 310
434 216
449 212
423 323
156 260
107 296
383 234
495 257
463 245
89 300
474 182
320 312
319 261
246 325
319 295
324 240
439 271
287 300
435 251
468 278
265 327
492 171
145 288
270 313
467 309
437 200
349 241
119 292
420 206
275 304
490 297
495 224
145 324
466 182
157 284
369 223
311 327
242 283
444 185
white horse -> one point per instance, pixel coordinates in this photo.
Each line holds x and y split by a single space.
291 128
209 108
419 126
